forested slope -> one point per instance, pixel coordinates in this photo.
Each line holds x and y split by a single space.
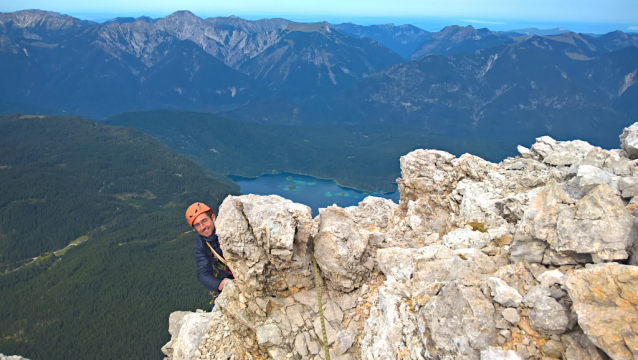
364 157
64 177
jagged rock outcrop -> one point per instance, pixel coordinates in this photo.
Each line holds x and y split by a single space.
606 301
12 357
516 260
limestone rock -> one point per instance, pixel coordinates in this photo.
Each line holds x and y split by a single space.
459 320
628 186
578 347
550 317
511 315
415 281
566 153
599 224
550 278
535 294
340 250
269 334
504 294
538 226
629 140
587 178
553 348
465 238
494 353
12 357
374 213
188 331
605 299
392 328
265 241
525 152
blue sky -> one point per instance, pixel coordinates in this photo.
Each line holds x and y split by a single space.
583 15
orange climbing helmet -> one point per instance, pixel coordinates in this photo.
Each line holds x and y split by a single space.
194 210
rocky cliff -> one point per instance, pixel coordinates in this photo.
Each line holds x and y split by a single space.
531 258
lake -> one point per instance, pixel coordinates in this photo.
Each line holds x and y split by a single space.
307 190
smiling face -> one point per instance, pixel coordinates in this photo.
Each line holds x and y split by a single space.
204 224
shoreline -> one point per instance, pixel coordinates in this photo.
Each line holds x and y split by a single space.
335 181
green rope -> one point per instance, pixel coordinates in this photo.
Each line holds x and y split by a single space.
318 286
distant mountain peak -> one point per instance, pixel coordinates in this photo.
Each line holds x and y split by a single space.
310 27
183 14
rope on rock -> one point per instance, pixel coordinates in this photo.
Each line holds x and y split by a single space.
318 287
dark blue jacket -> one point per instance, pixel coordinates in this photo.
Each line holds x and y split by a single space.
210 271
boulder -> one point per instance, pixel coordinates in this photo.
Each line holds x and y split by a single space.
265 241
511 315
629 141
340 250
605 299
567 153
537 228
504 294
628 186
187 330
599 224
550 317
459 320
587 178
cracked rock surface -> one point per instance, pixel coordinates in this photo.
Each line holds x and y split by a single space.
530 258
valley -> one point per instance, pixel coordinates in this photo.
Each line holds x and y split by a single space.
111 129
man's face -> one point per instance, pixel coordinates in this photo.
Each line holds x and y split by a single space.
204 225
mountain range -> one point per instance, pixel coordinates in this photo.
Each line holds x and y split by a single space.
460 81
564 85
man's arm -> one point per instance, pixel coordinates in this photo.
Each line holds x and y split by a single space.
205 267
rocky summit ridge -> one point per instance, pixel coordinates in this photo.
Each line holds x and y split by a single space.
530 258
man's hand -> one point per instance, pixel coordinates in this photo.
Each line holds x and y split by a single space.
221 285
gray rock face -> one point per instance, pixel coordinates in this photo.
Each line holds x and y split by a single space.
629 141
605 299
187 330
265 241
628 186
554 231
340 249
460 319
598 225
587 178
478 261
538 227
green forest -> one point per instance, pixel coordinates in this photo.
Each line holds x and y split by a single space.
364 157
64 178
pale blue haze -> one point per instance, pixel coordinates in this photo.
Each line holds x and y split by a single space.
582 16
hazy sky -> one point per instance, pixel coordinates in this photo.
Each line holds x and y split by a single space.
582 15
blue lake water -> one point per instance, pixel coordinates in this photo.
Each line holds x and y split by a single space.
307 190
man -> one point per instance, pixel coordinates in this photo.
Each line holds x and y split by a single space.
212 270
